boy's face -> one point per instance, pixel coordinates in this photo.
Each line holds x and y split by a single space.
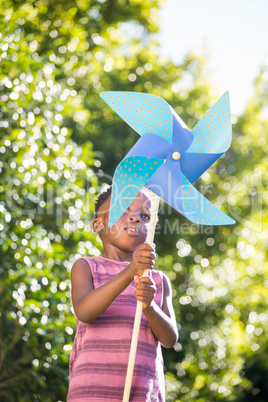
131 228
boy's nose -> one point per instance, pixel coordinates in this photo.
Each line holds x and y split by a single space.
134 218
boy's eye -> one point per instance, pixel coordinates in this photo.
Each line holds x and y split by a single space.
145 217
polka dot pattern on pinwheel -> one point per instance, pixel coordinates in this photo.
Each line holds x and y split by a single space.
213 133
200 210
130 176
144 113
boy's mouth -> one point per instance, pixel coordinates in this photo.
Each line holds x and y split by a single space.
132 230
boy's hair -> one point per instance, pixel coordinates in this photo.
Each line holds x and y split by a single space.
102 197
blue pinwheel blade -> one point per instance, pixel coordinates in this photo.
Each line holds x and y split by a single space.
166 183
212 137
199 209
182 136
194 165
130 176
213 133
143 147
142 112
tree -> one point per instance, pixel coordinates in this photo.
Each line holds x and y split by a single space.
46 199
49 98
57 137
220 279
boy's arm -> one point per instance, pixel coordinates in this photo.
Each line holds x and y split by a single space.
89 303
162 321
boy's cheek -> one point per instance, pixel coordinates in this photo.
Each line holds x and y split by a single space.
116 229
146 227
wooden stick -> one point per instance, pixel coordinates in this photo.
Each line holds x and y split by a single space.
137 321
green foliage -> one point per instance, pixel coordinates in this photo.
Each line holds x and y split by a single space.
56 133
220 276
46 201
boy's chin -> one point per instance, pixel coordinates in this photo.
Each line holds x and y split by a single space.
132 242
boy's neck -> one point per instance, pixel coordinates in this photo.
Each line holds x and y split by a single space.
115 254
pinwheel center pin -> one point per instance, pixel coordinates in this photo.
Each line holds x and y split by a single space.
176 155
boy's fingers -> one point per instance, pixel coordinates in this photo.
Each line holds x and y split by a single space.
136 279
145 287
145 246
146 279
147 260
148 290
144 260
145 294
146 253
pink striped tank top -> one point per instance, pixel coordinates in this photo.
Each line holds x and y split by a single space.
99 358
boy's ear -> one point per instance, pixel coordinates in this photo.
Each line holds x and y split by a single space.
97 225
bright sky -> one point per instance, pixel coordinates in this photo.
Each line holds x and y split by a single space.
235 33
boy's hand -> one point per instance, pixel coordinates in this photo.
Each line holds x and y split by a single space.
142 258
144 290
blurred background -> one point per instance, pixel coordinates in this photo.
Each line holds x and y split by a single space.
60 144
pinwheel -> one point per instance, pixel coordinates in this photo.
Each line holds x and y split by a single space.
168 158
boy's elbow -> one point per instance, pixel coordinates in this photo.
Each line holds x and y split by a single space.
83 317
171 342
84 320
